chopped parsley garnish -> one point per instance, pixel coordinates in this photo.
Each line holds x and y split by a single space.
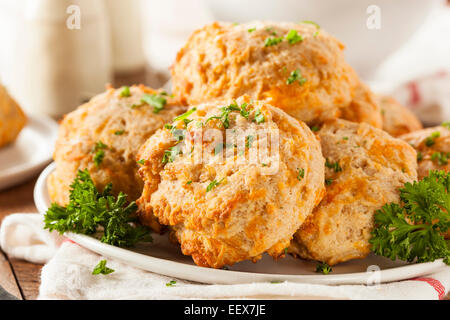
300 174
156 101
335 166
189 182
272 41
119 132
315 128
293 37
328 181
185 115
419 156
99 152
244 111
296 76
171 283
271 31
125 92
178 134
345 138
429 141
225 113
218 148
101 268
170 154
251 29
324 268
90 211
315 24
142 161
259 117
249 141
413 230
213 184
441 158
168 126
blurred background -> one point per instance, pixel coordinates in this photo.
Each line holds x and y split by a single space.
55 54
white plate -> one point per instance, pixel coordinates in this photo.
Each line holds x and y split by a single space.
31 151
165 258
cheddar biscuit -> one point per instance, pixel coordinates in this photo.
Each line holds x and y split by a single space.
227 208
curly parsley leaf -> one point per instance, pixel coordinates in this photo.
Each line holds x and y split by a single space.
324 268
412 231
90 211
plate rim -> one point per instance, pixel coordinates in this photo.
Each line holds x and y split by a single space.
20 172
216 276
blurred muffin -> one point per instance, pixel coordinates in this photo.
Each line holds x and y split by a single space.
12 118
365 167
104 136
397 119
295 67
232 205
433 148
363 108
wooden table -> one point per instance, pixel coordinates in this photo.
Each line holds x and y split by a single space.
18 277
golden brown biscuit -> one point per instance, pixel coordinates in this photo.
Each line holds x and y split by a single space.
295 67
433 149
227 208
365 169
12 118
397 119
103 136
363 108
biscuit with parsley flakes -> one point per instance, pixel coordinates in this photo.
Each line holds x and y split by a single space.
104 135
227 208
433 148
365 167
297 67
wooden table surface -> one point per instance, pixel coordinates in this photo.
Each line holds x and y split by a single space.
18 277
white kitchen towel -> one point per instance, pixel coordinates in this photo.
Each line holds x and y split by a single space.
68 275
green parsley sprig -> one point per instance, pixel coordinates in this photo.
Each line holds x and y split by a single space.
90 211
155 100
101 268
324 268
412 230
296 75
99 150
